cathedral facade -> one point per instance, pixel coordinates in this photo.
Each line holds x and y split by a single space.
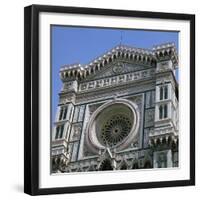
119 112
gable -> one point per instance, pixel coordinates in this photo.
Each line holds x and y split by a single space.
132 59
116 68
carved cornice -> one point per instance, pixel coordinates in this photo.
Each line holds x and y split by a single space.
116 80
167 136
166 52
136 55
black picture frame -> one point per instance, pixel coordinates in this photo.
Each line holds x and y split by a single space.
31 98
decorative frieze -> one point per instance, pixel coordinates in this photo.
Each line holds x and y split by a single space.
117 80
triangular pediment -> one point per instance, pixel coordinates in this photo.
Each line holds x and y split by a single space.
129 58
117 68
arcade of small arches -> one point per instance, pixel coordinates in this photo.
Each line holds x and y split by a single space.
164 140
144 56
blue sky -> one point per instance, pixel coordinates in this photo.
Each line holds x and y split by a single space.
81 45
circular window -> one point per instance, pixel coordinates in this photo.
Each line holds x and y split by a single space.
115 129
114 125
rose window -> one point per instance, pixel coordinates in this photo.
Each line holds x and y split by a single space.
115 129
114 124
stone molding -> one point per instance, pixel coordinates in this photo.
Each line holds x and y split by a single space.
91 138
116 80
138 55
